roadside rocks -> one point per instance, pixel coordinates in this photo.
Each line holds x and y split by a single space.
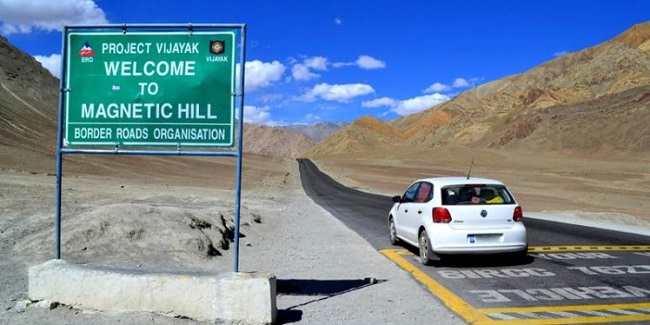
21 305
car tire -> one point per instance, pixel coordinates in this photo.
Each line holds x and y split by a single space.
521 255
394 240
426 253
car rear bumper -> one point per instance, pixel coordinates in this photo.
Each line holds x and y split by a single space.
479 250
479 242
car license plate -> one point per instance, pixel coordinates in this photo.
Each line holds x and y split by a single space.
484 238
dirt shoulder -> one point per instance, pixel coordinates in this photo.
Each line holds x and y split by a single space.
322 267
614 183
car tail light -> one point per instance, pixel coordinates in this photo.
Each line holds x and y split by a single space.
518 215
441 215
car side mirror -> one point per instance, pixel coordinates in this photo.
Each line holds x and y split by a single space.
397 199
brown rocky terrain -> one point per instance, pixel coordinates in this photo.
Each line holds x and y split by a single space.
579 120
592 100
275 141
571 134
28 110
318 131
364 133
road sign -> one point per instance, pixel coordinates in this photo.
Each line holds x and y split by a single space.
148 88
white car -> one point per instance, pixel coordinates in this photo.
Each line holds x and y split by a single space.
458 215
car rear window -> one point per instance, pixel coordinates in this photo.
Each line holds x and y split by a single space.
476 194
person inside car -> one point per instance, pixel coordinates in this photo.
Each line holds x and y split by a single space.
490 197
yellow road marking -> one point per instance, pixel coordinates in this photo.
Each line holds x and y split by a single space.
452 301
587 248
400 251
480 316
570 320
563 308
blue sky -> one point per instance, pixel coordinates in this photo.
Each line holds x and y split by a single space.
311 61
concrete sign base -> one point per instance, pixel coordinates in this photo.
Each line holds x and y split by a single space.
242 298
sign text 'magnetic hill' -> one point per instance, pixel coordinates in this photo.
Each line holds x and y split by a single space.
150 88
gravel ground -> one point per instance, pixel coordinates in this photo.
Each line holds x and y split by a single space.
324 270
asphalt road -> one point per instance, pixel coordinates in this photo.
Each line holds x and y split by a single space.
573 274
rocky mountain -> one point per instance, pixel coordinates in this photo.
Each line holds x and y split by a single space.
28 109
364 133
596 99
274 141
316 132
591 100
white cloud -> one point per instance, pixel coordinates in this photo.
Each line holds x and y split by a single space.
460 83
302 71
20 16
379 102
267 98
363 62
418 104
560 53
257 115
408 106
437 88
368 62
339 93
262 74
51 63
316 62
338 21
311 118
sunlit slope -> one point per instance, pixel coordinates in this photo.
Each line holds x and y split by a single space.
364 133
591 100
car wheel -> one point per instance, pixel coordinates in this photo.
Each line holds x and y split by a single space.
426 254
393 232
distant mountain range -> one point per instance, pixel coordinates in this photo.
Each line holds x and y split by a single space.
318 131
593 100
597 99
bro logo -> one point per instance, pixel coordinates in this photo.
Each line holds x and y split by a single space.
86 53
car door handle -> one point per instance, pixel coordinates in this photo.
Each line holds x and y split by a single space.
419 211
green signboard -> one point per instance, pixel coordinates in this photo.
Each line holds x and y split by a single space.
149 88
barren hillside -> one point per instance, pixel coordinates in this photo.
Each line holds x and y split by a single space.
591 100
273 141
28 109
586 81
316 132
364 133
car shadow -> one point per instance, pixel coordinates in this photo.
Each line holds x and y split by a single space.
473 260
465 261
324 289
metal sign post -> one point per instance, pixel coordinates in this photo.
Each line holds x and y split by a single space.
151 85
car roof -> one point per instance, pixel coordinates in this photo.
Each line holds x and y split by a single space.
444 181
